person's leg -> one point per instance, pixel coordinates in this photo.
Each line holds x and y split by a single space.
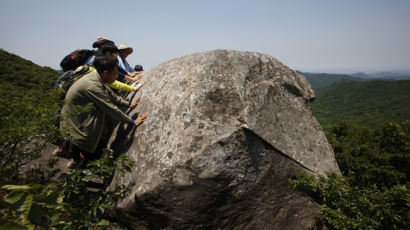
84 157
81 157
78 161
63 149
82 164
100 149
75 151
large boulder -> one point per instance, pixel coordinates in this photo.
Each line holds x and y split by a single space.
226 131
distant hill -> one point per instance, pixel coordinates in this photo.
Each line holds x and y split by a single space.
365 103
320 80
390 75
17 71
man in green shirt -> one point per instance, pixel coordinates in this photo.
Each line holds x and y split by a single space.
88 102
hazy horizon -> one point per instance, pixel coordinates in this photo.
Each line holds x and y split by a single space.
310 36
325 70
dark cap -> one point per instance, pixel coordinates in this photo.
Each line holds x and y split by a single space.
101 41
138 68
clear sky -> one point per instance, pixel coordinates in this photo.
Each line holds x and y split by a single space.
308 35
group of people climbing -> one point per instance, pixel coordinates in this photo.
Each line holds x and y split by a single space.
93 83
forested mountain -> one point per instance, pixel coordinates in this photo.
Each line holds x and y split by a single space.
365 103
21 72
320 80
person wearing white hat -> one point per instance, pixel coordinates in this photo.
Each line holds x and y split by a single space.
123 52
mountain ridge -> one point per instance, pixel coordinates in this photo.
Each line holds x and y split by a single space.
18 71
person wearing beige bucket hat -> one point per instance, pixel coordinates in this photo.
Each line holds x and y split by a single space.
123 52
125 49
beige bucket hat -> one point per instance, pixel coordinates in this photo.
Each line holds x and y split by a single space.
125 47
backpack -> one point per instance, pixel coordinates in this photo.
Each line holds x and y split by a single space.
68 78
75 59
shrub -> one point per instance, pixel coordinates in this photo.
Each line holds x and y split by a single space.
350 207
27 123
71 202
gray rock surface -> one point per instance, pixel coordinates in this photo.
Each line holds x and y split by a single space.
226 131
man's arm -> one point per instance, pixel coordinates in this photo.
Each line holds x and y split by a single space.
135 103
120 101
140 119
103 101
133 76
121 86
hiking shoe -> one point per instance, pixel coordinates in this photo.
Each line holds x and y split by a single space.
72 164
60 152
79 162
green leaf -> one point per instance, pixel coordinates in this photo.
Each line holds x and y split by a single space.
12 224
16 187
21 203
104 222
52 198
36 216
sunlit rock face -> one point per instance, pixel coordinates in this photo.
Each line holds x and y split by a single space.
226 131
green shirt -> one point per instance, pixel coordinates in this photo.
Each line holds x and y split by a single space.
87 102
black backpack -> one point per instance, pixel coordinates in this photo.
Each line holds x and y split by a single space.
75 59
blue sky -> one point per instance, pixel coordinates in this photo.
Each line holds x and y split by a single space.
309 35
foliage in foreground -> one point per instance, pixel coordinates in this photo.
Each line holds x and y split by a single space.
372 156
351 207
70 202
373 192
